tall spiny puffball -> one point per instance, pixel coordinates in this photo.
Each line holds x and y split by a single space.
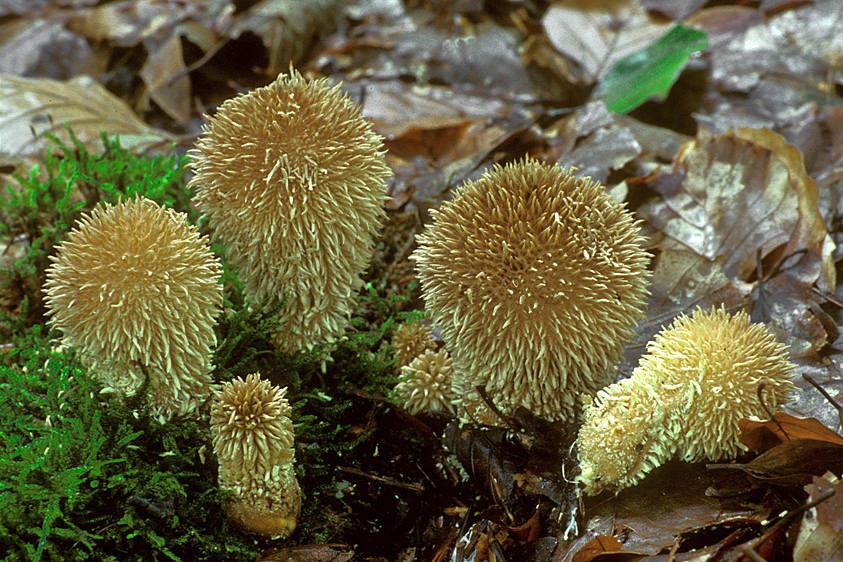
698 378
135 289
253 440
426 384
535 278
291 178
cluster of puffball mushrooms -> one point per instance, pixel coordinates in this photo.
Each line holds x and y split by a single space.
534 278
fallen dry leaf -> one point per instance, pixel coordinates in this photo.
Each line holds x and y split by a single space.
595 34
674 499
741 192
309 553
166 78
793 463
597 546
820 537
764 435
287 28
30 107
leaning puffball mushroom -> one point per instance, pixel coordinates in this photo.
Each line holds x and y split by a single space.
535 278
426 384
698 378
135 289
291 178
253 442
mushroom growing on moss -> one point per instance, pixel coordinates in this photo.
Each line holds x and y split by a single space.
135 289
426 384
253 441
698 378
291 178
535 278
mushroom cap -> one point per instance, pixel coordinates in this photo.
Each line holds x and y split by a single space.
291 178
698 379
252 429
536 279
253 440
409 341
426 384
135 288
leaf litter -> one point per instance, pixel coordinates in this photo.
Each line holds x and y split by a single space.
736 174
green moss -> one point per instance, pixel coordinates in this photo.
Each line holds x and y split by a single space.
85 478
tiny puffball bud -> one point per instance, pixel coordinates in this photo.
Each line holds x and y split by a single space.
425 384
410 341
253 441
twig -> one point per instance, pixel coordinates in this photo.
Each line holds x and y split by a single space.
825 394
828 297
760 392
413 486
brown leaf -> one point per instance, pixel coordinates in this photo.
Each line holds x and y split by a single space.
764 435
287 28
820 537
740 192
39 47
308 553
600 544
166 77
30 107
672 500
128 23
793 463
595 34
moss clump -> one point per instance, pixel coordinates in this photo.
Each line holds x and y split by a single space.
86 479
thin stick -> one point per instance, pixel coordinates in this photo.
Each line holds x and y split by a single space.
760 392
827 396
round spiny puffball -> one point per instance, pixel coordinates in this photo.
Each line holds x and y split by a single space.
698 379
410 341
253 441
536 279
135 289
426 384
291 178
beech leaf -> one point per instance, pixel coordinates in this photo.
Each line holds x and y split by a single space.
30 107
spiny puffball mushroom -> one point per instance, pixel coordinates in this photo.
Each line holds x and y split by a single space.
535 278
426 384
135 289
253 440
698 378
291 178
410 341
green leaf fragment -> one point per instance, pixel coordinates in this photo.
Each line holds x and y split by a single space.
650 72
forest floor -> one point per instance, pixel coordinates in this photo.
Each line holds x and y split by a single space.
719 124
